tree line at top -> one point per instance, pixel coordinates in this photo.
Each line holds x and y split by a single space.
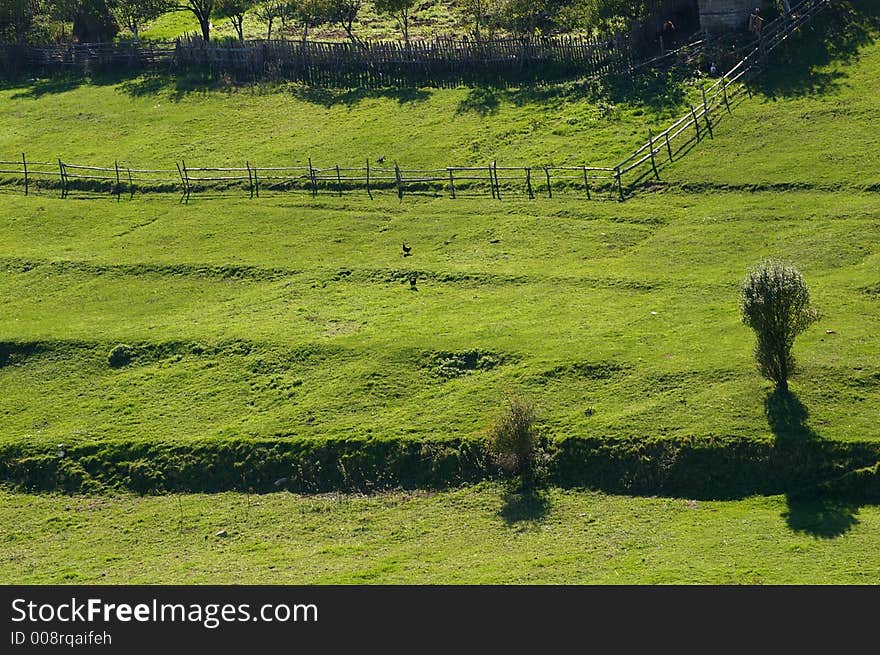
35 21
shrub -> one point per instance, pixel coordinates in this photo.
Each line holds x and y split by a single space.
121 355
513 438
776 305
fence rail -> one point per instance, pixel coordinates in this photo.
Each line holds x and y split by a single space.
120 179
699 122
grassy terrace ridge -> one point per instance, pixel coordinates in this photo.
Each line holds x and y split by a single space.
554 537
291 322
281 317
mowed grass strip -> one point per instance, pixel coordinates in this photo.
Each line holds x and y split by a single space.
553 537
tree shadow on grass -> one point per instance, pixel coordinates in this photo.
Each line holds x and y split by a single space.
826 519
329 97
787 416
524 503
838 34
480 100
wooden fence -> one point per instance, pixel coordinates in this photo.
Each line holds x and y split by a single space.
717 100
123 181
343 64
698 123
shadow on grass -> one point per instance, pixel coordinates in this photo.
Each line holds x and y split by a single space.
838 34
787 416
524 503
826 519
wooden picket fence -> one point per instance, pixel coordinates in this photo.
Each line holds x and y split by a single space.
368 64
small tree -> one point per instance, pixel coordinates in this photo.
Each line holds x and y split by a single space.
133 14
344 13
202 10
513 438
401 10
234 10
307 13
479 15
776 305
268 12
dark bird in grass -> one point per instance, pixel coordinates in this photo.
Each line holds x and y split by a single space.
381 159
407 250
412 282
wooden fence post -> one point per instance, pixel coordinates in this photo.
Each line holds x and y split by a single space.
451 182
130 185
24 164
549 188
312 179
497 185
186 180
250 178
338 180
63 179
706 115
617 175
182 180
651 148
491 181
696 122
399 181
118 186
369 193
529 183
587 184
724 88
256 183
668 146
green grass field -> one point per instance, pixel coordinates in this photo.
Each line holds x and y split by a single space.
290 319
284 317
476 535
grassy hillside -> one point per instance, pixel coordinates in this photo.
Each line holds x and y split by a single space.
417 538
812 121
288 317
155 122
292 317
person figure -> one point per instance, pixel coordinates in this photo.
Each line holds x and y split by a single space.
756 22
713 69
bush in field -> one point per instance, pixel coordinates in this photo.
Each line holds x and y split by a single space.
121 355
513 437
776 305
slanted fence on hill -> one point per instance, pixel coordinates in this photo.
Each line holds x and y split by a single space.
697 124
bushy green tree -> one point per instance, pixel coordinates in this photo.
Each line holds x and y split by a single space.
17 19
344 13
776 305
307 14
513 437
480 16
